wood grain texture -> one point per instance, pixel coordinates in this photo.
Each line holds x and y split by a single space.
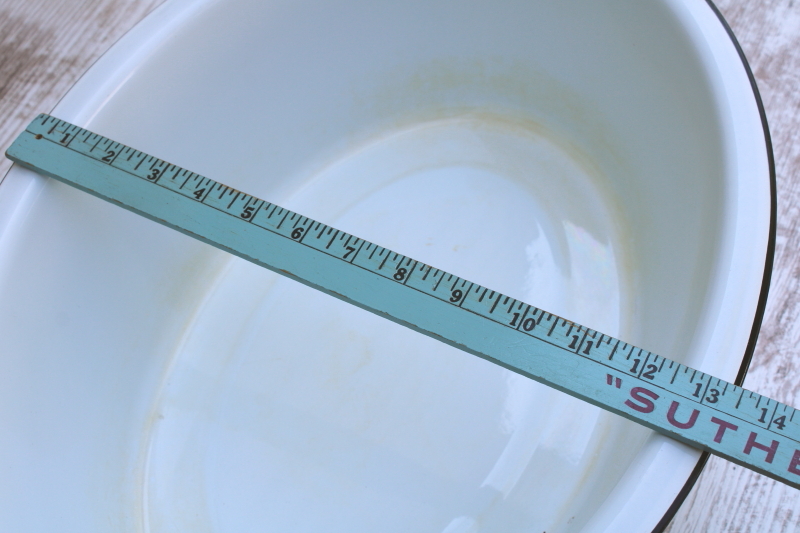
45 45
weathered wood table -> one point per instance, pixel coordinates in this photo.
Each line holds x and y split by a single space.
45 45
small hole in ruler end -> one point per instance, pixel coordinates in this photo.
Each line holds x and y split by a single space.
38 136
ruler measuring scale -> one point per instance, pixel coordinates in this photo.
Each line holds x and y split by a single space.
698 409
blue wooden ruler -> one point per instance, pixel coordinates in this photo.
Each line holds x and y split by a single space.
686 404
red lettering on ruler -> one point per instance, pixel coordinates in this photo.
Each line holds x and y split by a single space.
683 425
751 443
638 394
722 427
795 463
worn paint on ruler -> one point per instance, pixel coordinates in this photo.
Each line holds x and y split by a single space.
683 403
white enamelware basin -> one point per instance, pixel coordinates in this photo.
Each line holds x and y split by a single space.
605 160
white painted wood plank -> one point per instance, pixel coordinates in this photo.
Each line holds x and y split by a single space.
46 45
